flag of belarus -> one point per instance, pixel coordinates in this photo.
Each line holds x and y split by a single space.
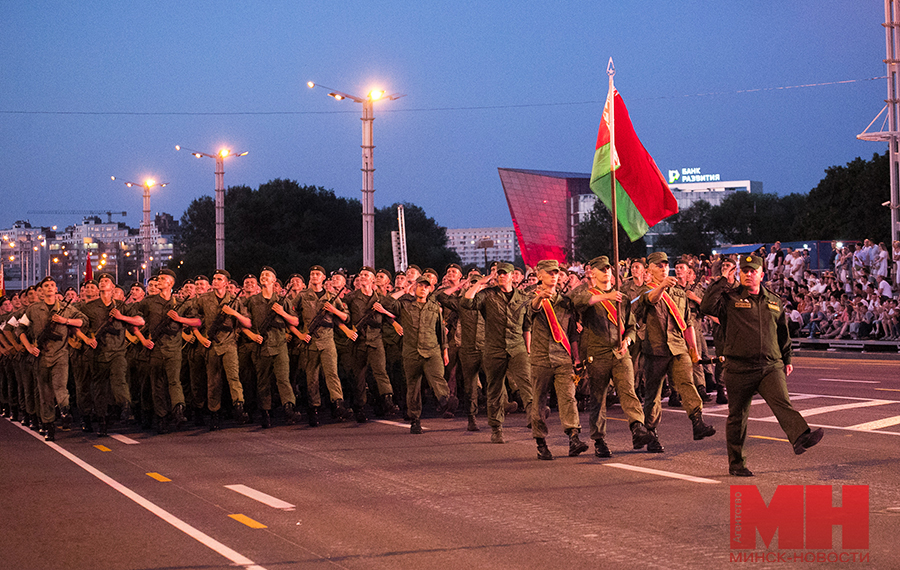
642 196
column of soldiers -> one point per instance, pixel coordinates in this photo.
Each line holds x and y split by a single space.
162 357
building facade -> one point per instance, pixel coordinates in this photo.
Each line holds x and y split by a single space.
473 244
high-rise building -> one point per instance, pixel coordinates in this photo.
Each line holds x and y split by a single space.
472 244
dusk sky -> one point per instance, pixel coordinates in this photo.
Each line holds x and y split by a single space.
92 89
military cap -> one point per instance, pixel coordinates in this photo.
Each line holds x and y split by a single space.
657 257
751 261
46 279
317 268
166 271
223 273
504 267
430 270
249 276
454 266
267 268
423 279
384 271
547 265
600 262
366 268
416 267
106 275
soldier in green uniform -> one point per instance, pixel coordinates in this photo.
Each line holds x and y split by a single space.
668 349
270 316
757 351
552 325
424 348
602 310
316 304
506 339
163 325
104 333
44 330
218 314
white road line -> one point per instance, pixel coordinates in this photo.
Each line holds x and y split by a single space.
854 398
669 474
836 408
842 380
261 497
756 400
877 424
199 536
123 438
398 424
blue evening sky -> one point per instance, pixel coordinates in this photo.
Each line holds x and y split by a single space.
91 89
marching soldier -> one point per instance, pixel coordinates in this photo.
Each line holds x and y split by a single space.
553 323
506 342
43 331
757 350
603 310
318 310
218 315
270 316
670 337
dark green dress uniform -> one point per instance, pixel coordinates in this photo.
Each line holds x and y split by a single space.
368 349
756 347
470 326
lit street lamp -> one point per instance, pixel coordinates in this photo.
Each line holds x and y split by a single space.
145 224
368 165
220 197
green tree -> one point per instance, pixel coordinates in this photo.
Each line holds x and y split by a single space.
749 218
594 237
292 227
846 204
691 230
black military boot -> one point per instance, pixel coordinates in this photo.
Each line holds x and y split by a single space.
26 418
265 421
214 421
721 397
102 427
341 412
314 416
655 446
543 452
473 426
162 425
674 399
240 415
360 415
14 413
199 421
704 396
86 425
701 429
576 446
290 417
178 415
127 415
65 419
601 450
639 435
51 432
415 426
388 405
5 410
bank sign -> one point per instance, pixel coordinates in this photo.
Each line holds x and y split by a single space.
691 175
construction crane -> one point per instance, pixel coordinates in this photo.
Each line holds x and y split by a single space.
109 213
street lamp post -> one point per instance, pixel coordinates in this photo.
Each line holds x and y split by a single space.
145 224
368 164
220 197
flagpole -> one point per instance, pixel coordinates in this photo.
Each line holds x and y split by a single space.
611 103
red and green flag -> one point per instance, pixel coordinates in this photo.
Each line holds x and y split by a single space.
643 197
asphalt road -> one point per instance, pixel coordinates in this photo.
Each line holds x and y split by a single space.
374 496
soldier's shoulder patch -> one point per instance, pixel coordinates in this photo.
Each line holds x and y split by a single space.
774 306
